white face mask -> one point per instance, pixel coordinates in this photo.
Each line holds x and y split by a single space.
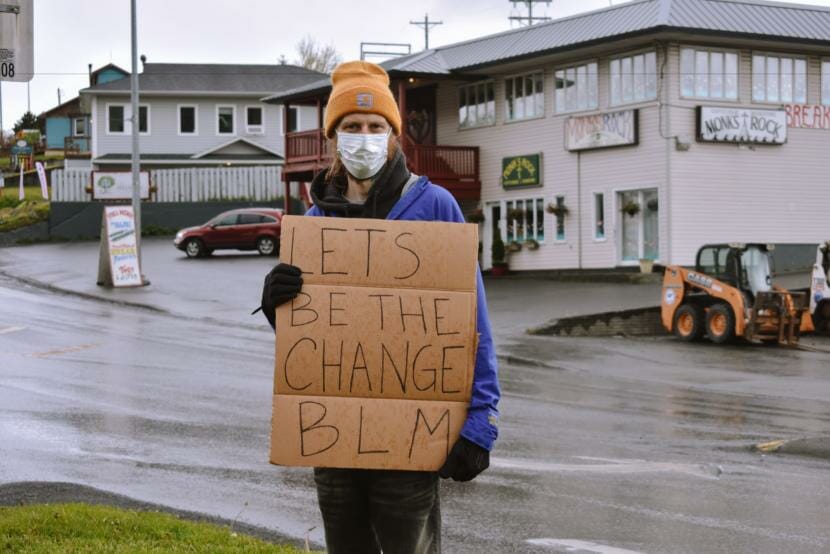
363 154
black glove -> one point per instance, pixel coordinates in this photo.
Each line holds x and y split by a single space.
465 461
281 286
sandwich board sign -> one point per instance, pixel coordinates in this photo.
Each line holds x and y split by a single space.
16 40
118 257
375 356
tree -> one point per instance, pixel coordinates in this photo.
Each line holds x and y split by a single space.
28 121
317 56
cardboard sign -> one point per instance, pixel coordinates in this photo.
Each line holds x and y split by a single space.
119 243
375 357
118 185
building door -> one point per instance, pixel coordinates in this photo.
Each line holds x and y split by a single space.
492 226
419 122
639 225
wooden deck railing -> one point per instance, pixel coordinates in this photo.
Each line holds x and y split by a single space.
453 166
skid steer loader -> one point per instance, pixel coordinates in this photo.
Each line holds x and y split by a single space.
820 290
730 295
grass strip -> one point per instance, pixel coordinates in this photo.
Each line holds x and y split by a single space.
84 528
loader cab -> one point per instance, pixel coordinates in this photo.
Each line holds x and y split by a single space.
743 266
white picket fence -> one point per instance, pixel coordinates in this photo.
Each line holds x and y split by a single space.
258 183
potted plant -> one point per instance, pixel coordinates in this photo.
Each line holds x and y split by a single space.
532 244
631 208
652 205
476 217
557 209
499 255
646 265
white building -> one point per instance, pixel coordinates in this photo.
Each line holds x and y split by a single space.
196 115
661 125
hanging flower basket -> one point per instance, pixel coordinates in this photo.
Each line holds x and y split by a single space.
476 217
557 210
652 205
631 209
514 247
531 244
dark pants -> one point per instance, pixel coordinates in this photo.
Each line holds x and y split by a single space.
368 511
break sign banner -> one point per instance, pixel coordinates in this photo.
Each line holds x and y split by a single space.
16 40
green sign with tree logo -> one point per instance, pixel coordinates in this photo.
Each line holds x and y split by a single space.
521 171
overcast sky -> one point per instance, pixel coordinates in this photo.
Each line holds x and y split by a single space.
69 34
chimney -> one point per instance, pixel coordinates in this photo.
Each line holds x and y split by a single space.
90 74
143 61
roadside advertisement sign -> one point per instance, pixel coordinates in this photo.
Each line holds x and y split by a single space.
807 116
16 40
605 130
375 357
521 171
118 185
121 247
41 175
741 125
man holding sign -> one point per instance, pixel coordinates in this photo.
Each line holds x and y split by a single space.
373 335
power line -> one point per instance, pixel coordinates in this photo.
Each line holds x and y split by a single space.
529 19
427 25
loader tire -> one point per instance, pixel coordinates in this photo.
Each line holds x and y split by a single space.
720 323
821 318
688 322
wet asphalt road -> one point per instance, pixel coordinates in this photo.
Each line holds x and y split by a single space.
606 445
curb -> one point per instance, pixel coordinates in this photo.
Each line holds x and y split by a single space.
52 288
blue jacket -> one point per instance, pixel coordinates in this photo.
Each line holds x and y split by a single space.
427 202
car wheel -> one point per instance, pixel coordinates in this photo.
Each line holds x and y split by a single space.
267 246
688 322
720 323
194 248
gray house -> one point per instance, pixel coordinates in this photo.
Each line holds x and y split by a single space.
197 115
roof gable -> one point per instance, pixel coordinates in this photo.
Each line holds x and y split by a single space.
236 147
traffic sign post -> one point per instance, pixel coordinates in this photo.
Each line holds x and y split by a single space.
17 40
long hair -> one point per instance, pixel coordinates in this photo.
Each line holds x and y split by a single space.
338 171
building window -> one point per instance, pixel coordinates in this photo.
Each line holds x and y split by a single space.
187 120
825 83
599 216
576 88
633 78
779 79
708 74
293 120
254 124
144 120
524 96
476 105
79 127
115 119
225 116
525 220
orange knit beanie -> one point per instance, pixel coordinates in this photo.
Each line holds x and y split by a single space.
361 87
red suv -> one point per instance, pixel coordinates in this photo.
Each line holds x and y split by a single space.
245 229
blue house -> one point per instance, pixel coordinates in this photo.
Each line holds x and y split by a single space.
68 125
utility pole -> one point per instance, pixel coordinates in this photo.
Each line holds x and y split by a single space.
28 98
427 25
136 118
529 19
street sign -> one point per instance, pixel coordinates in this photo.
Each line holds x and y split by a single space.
16 40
